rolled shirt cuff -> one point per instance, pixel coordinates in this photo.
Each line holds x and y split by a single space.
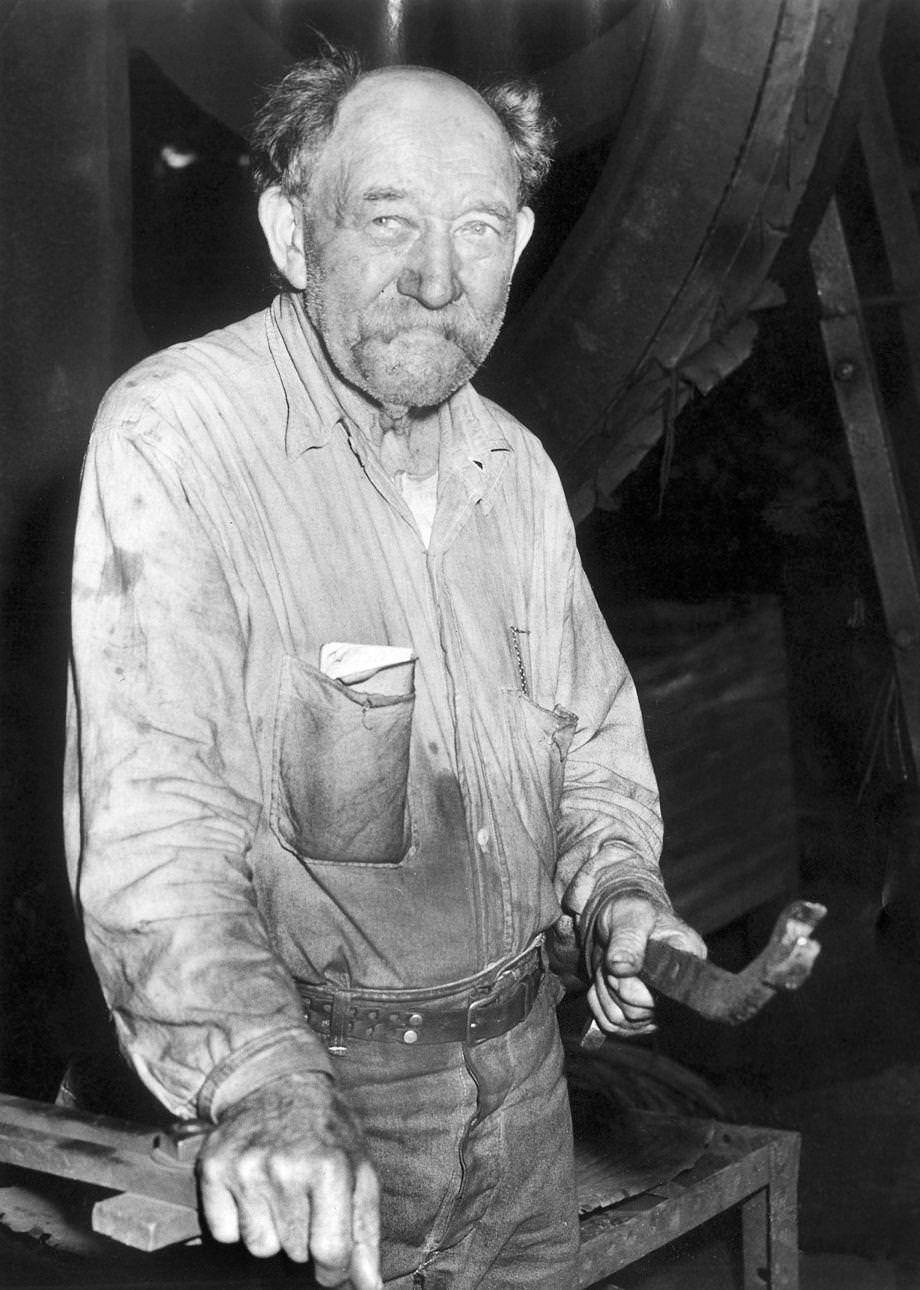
292 1050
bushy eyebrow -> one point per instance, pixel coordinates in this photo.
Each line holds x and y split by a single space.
499 210
384 195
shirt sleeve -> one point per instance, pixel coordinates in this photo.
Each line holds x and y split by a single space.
163 792
609 826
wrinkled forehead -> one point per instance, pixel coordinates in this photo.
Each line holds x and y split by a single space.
418 123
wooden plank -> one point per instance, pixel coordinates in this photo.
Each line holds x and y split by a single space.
888 522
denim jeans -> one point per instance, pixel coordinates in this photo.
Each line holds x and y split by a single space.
473 1149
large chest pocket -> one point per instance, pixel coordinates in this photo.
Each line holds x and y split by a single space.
340 770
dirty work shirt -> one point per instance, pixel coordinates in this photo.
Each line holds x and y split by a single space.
237 820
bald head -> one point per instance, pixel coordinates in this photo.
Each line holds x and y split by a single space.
397 88
301 111
397 98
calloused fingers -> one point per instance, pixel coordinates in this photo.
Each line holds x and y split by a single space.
683 938
625 998
614 1017
220 1208
239 1213
258 1230
332 1220
290 1201
629 922
631 993
365 1260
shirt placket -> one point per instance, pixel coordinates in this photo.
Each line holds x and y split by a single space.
489 860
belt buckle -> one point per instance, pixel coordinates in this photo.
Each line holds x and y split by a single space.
483 1020
489 1017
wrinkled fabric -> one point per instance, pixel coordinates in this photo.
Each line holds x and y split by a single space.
473 1150
234 518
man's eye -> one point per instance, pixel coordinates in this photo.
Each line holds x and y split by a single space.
389 224
479 230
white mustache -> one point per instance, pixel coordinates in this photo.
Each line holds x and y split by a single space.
387 326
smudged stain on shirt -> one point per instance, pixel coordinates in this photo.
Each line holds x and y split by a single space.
450 812
121 572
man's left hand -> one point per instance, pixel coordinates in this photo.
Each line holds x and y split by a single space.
620 1002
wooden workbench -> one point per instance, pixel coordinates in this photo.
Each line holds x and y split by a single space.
753 1170
712 1168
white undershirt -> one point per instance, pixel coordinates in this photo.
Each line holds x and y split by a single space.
421 496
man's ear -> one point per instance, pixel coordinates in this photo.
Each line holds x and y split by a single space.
282 223
524 228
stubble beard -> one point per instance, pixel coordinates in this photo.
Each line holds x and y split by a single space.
421 362
401 353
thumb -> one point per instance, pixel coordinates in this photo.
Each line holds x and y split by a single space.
629 922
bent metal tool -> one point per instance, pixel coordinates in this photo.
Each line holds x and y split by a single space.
732 997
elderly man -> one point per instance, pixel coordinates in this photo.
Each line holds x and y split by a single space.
348 734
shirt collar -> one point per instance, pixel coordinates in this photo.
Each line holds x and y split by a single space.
471 437
318 399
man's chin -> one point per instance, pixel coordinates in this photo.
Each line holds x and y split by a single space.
420 370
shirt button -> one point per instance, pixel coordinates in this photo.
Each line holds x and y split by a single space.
410 1036
482 837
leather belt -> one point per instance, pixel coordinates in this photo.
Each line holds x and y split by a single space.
454 1018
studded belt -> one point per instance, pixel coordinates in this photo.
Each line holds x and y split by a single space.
467 1015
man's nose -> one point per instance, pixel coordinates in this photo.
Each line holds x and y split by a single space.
430 274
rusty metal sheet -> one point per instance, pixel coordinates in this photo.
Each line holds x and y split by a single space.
754 1168
616 1159
94 1149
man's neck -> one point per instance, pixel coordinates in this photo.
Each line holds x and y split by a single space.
410 438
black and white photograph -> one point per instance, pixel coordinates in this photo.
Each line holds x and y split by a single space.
460 644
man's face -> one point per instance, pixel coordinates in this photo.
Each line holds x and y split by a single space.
411 233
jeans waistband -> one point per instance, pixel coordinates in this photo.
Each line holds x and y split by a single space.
469 1011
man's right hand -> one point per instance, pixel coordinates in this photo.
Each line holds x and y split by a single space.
285 1169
